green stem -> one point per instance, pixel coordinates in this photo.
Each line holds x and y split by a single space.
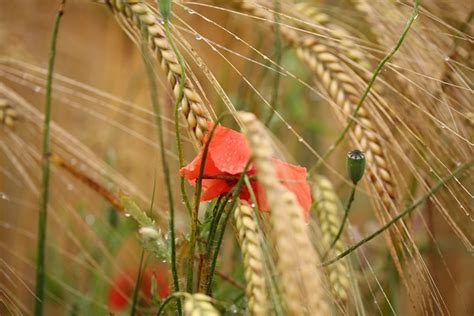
137 284
367 90
344 219
194 214
156 108
140 265
211 238
278 55
236 191
43 207
179 98
164 303
407 211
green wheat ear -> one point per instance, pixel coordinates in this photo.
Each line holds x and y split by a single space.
165 8
355 165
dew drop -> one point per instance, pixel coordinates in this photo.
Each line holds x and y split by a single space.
447 58
290 127
198 37
162 22
90 219
300 139
252 205
233 309
37 89
3 196
416 17
127 214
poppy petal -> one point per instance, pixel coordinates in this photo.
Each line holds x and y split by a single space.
212 188
191 171
118 294
294 179
229 150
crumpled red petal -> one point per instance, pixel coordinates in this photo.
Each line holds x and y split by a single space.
227 154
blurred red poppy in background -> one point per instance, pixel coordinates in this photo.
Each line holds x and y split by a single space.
121 291
225 161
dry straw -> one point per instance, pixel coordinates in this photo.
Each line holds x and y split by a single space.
300 280
135 16
253 262
329 216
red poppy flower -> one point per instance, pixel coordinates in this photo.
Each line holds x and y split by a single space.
226 158
121 291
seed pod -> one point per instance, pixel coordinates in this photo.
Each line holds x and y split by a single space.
355 165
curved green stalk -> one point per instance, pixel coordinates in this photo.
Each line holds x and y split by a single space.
344 219
367 90
407 211
138 282
182 82
278 52
235 195
194 214
156 108
140 264
43 208
165 302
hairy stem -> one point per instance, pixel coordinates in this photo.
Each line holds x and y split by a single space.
43 208
344 219
235 195
138 282
156 108
407 211
194 214
377 71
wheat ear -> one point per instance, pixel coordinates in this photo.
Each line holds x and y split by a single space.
328 213
137 15
8 115
335 78
337 32
249 239
198 305
297 259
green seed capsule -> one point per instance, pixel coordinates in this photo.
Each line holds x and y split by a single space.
355 165
165 8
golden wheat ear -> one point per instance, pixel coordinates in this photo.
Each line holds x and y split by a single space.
300 280
134 16
248 233
329 216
